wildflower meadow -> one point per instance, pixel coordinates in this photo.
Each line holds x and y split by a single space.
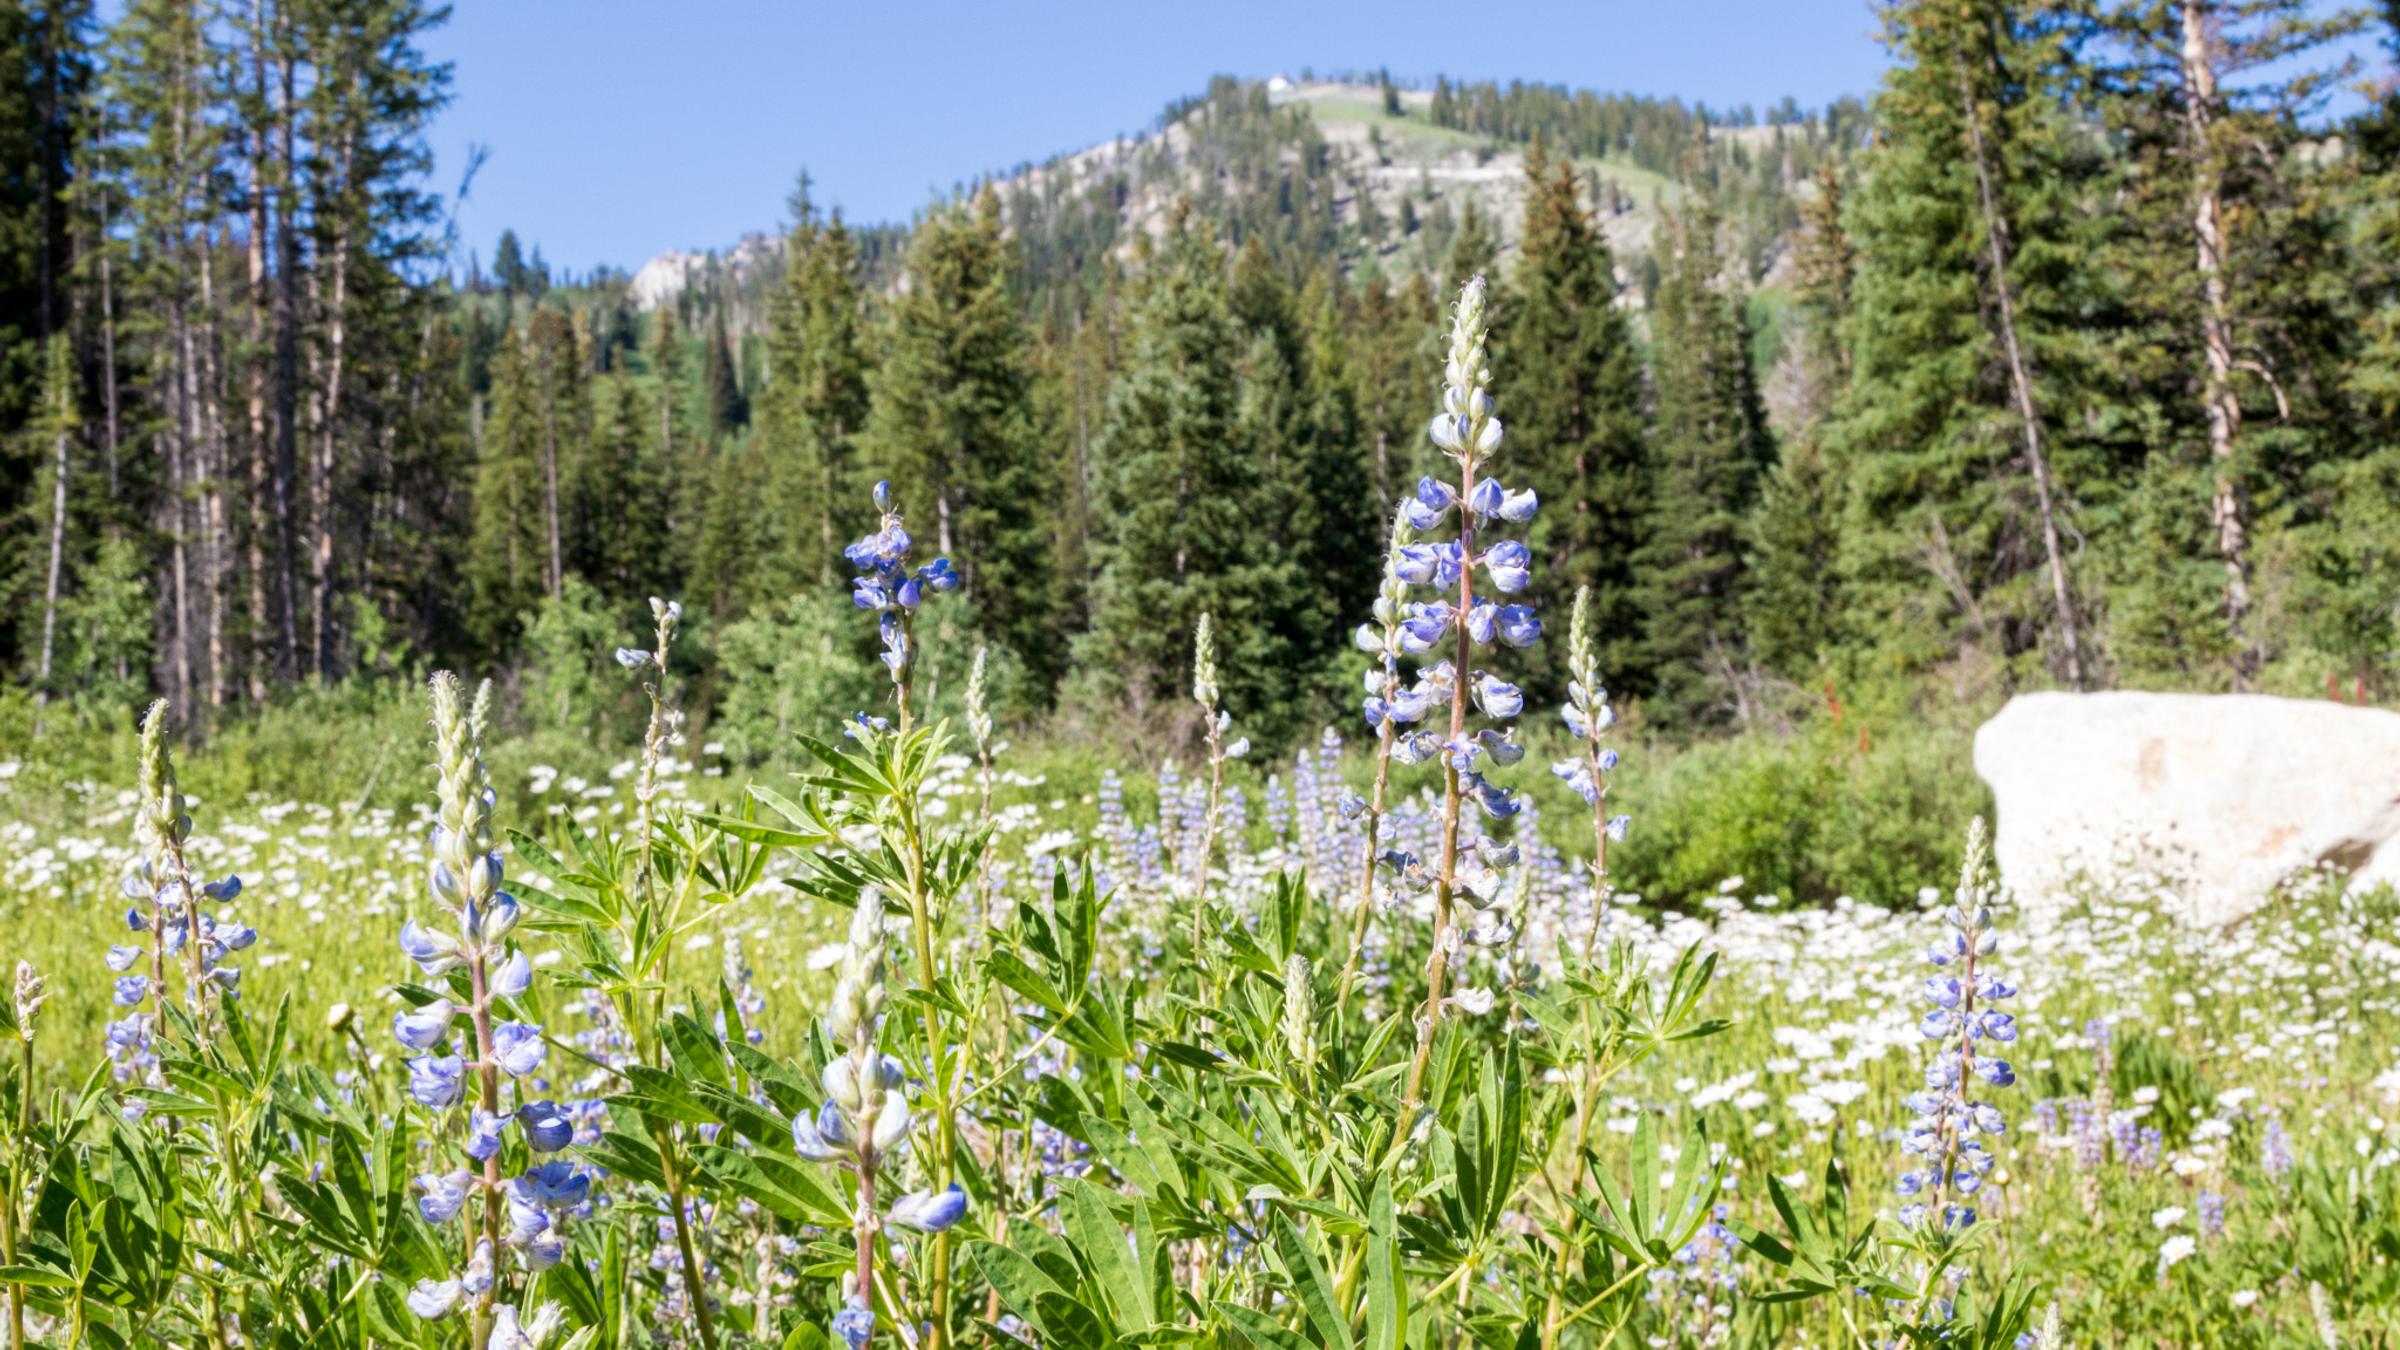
913 1048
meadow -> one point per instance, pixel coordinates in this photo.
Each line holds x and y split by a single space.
1366 1046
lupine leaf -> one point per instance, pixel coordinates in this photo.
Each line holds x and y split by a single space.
1092 1226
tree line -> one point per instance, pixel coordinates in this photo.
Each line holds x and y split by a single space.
2073 358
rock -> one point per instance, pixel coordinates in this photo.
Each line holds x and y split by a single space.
2225 795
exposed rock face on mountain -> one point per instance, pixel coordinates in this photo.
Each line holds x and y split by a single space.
670 273
2227 795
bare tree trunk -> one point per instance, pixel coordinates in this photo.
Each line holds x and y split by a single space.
336 316
108 355
178 515
215 540
256 424
287 382
555 578
185 435
2029 417
2228 512
58 548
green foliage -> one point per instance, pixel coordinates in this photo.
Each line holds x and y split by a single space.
815 405
1709 446
951 425
1182 509
1567 369
1824 810
782 667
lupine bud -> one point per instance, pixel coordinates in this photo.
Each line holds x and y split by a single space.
930 1211
1204 665
1299 1009
29 995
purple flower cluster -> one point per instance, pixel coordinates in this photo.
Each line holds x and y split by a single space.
887 586
464 875
1458 620
1947 1136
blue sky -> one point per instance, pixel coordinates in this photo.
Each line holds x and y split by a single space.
617 129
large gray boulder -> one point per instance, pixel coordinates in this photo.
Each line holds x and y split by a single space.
2225 794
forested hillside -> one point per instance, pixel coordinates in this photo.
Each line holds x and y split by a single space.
2070 357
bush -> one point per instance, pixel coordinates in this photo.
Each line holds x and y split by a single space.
1807 816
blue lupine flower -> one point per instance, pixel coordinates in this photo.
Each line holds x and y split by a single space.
528 1218
854 1325
1509 565
434 1300
1416 564
547 1129
477 1278
930 1211
1948 1134
518 1048
132 989
1504 751
1498 698
426 1027
121 957
434 953
483 1134
445 1194
1517 625
433 1080
1492 797
2210 1207
1427 623
513 977
493 920
886 586
552 1185
540 1252
2274 1148
1432 501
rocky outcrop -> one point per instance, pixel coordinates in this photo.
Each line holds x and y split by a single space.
2225 795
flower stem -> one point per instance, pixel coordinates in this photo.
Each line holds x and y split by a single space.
1437 965
1366 884
487 1072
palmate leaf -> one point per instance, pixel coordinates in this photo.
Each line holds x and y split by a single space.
1818 1253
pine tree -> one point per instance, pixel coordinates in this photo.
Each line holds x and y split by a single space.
951 425
1969 368
1709 445
2226 332
508 555
1297 419
508 266
1396 374
1792 606
1473 252
1565 363
720 380
1343 552
814 407
1180 498
617 500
